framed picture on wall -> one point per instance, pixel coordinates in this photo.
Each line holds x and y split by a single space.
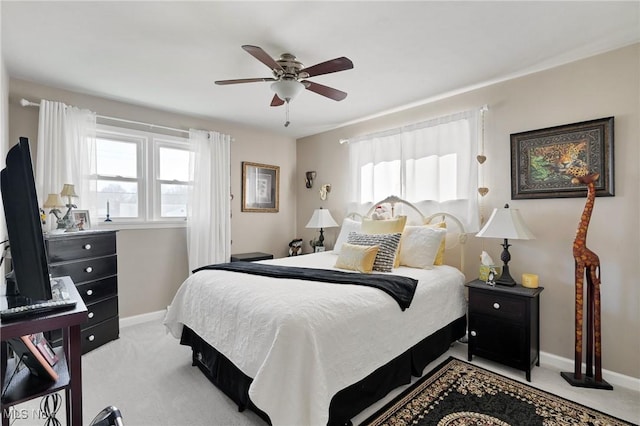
260 187
543 162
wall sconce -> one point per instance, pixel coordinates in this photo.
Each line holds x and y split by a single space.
324 190
309 177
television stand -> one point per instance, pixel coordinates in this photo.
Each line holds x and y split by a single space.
24 387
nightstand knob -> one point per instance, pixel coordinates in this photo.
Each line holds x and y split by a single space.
90 315
496 305
88 269
473 334
87 246
92 338
89 292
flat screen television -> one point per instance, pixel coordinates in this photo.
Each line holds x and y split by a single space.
22 214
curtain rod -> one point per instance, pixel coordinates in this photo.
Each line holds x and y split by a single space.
484 108
26 103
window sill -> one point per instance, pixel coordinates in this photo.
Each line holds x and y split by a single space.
139 225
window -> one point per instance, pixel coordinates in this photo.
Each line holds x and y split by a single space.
429 164
141 176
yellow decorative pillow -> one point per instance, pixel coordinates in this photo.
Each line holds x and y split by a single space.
439 260
357 258
385 226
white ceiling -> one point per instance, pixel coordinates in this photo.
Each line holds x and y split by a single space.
167 55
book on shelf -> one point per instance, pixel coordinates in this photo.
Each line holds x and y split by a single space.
27 349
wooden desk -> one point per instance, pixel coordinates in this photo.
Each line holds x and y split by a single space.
23 387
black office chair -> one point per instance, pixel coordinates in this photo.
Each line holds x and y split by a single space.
110 416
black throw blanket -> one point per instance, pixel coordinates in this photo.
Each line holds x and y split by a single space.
400 288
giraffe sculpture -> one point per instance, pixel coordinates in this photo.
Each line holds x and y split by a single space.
587 264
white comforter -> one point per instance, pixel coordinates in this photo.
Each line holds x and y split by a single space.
303 341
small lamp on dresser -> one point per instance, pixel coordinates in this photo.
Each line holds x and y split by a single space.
54 202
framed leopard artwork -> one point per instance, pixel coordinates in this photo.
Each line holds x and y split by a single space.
544 161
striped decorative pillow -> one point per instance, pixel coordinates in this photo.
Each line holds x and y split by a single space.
388 244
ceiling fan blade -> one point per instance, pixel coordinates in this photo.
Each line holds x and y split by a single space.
243 80
329 92
276 101
334 65
262 56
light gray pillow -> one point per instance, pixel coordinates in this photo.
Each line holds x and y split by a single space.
388 244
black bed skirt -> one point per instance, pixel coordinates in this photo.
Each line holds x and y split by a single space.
348 402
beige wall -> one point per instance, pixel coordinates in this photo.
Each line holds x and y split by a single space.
152 263
601 86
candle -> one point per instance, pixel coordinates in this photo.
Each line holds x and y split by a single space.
107 207
530 280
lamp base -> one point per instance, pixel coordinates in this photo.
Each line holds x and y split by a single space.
506 279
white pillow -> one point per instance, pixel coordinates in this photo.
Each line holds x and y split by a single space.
348 225
420 245
357 258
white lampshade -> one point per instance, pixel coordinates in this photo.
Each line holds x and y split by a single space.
287 89
321 219
53 201
68 190
506 223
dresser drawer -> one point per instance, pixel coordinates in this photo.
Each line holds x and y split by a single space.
101 311
94 291
86 269
498 305
99 334
60 249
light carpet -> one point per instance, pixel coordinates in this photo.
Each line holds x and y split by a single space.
148 375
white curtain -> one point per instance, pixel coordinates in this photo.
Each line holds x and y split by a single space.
429 163
209 204
66 152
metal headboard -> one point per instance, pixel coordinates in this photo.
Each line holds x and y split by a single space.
441 217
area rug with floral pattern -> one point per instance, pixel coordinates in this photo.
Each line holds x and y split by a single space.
457 393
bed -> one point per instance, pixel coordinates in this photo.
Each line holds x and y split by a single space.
314 353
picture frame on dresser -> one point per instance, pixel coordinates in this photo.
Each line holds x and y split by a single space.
82 219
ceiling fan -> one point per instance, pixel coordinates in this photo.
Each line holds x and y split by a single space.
290 76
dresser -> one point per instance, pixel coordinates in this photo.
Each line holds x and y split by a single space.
504 324
91 260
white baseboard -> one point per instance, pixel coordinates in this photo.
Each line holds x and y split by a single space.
611 377
142 318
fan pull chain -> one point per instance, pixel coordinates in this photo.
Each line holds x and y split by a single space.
286 123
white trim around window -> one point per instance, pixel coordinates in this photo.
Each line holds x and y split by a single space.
148 211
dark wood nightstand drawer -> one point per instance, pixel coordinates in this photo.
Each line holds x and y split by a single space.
94 291
86 269
74 247
99 334
498 305
101 311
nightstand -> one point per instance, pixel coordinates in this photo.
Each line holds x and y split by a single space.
250 257
504 324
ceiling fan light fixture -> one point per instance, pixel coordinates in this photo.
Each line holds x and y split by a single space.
287 89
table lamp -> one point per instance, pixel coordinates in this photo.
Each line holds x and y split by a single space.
506 223
69 191
54 202
321 219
